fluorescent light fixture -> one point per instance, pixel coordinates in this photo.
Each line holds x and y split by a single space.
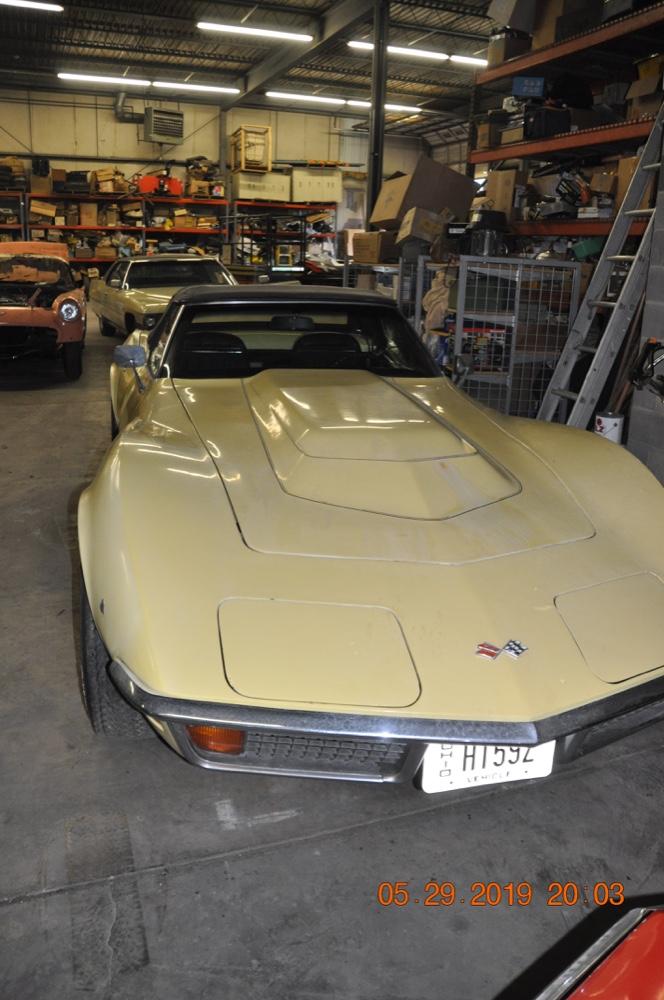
388 107
304 97
401 50
122 81
402 107
469 61
198 87
33 5
242 29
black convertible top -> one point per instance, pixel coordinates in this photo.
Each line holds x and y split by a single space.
279 293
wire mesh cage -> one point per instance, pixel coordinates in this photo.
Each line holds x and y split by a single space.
513 316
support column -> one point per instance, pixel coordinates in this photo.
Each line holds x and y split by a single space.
378 89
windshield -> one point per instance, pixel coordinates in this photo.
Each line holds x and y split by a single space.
231 341
35 269
176 274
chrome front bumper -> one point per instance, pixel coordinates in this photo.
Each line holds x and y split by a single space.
378 748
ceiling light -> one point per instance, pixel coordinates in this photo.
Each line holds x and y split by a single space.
402 107
304 97
241 29
469 61
388 107
122 81
400 50
33 5
198 87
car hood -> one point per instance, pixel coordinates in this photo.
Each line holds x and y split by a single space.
154 299
350 464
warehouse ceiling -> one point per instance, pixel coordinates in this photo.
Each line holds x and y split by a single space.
160 39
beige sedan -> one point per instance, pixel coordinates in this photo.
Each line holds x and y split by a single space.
135 291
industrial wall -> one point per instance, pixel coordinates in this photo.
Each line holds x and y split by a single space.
85 126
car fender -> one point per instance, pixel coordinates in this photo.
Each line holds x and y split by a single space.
618 493
73 331
155 487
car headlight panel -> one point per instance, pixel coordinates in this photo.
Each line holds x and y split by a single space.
69 310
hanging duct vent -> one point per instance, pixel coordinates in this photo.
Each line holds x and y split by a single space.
163 126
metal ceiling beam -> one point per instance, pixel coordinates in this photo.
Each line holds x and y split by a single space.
338 19
471 36
447 8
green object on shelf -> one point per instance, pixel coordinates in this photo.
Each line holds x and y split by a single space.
590 247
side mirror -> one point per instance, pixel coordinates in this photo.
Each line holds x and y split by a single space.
114 283
130 356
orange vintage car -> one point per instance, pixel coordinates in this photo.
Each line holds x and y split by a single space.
42 307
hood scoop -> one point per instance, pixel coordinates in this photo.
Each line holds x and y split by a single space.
353 440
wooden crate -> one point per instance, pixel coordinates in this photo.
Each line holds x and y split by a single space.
251 148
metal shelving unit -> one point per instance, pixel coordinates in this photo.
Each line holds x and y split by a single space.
277 233
633 30
604 135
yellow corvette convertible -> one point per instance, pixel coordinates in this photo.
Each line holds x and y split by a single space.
307 553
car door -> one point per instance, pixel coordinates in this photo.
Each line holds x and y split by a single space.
98 288
114 293
127 395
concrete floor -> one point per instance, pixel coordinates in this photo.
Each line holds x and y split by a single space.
126 873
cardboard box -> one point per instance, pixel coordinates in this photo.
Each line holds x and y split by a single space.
603 183
41 185
88 213
514 134
347 237
506 46
626 167
654 66
517 14
311 184
422 225
42 208
644 97
375 248
431 185
197 189
261 187
501 189
72 217
547 14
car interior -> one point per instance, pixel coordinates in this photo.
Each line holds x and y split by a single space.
243 345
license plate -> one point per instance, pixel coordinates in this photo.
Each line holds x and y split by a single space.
456 765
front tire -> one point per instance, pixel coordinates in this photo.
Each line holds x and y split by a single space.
107 710
72 360
106 329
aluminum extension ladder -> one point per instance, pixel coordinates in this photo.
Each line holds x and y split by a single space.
604 347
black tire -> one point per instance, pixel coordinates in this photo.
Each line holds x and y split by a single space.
107 710
106 329
115 430
72 360
130 323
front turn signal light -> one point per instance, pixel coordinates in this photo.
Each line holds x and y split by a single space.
217 739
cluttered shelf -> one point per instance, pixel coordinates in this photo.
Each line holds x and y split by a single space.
171 200
91 229
199 230
571 227
604 135
629 26
274 206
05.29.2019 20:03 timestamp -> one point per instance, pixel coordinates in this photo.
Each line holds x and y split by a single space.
505 894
